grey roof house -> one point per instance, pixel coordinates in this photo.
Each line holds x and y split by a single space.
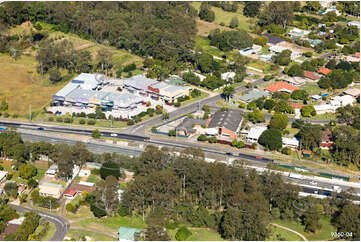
253 94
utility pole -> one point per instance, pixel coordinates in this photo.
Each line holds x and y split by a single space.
29 112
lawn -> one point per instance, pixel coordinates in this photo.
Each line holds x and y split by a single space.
41 173
122 185
224 17
76 234
325 116
293 131
50 233
82 212
205 44
323 234
282 234
311 88
199 234
93 178
114 223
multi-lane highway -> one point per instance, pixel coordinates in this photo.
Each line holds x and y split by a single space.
61 224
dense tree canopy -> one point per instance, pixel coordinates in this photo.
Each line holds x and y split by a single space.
271 138
145 28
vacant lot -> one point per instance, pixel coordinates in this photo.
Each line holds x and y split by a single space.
18 89
199 234
224 17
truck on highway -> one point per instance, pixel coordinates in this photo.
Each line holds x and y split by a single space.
295 175
2 130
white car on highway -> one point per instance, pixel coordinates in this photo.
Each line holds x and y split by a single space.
313 183
114 135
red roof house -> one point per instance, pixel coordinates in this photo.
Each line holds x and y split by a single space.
357 54
295 105
326 141
70 193
324 70
282 87
311 75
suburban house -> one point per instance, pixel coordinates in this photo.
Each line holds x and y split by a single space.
311 75
52 170
298 33
128 234
326 141
167 92
296 81
255 49
228 75
354 92
325 108
341 101
82 186
21 188
84 172
51 189
281 87
331 9
190 126
324 71
314 42
70 193
273 40
316 97
12 226
254 133
225 124
253 94
290 142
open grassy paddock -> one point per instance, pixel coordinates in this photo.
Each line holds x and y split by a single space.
198 234
323 234
95 236
282 234
224 17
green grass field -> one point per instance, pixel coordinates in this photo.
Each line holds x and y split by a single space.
113 223
50 233
278 234
226 17
311 88
199 234
323 234
77 233
93 178
205 44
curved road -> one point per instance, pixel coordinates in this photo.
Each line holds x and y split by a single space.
61 224
291 230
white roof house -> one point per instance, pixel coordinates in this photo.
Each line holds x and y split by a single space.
254 133
17 221
325 108
89 184
52 170
296 32
342 101
84 173
277 48
3 174
50 189
290 142
354 23
316 97
228 75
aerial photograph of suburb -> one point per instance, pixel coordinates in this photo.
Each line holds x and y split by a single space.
179 120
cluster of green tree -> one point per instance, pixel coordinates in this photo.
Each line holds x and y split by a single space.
27 228
336 79
228 40
53 55
352 7
186 189
239 203
251 8
312 7
147 29
313 65
283 58
277 103
226 6
6 213
160 69
44 201
349 115
277 13
12 146
346 148
206 13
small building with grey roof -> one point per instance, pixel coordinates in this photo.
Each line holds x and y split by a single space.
189 126
253 94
